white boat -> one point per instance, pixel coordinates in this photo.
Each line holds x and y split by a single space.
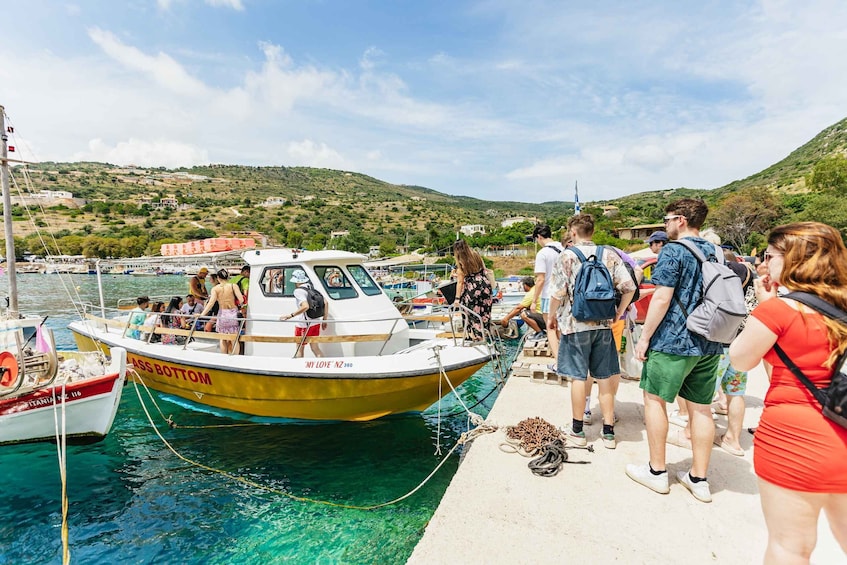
33 382
373 363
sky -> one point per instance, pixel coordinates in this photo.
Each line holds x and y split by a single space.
495 99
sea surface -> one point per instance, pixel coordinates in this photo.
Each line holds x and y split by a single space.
131 500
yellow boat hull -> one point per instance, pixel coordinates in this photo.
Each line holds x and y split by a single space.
325 396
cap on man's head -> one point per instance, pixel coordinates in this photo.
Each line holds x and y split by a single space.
299 277
203 271
657 236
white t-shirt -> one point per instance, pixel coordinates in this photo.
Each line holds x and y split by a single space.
302 297
544 260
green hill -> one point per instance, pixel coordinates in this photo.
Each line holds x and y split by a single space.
123 204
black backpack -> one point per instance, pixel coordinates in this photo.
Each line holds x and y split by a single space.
316 301
833 399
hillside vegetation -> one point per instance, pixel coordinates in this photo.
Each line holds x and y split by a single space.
116 211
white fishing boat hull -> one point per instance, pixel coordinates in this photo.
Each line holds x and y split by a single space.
87 406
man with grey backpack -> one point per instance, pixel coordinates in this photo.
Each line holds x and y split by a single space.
681 343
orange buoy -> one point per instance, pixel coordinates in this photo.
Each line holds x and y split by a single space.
8 369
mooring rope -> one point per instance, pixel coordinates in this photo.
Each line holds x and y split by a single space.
61 452
463 438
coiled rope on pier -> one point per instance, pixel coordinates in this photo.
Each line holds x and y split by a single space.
534 436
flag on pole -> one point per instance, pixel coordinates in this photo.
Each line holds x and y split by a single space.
575 198
41 344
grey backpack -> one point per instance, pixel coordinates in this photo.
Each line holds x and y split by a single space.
719 313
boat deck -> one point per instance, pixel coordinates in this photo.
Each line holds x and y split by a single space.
496 511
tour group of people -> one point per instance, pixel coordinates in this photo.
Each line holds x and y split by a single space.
218 310
800 456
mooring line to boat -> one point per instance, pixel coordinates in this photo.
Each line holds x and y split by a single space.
173 425
61 451
464 438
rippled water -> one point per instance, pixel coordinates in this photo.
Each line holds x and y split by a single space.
133 501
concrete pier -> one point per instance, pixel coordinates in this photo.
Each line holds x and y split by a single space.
496 511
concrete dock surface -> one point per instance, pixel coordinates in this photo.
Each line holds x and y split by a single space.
496 511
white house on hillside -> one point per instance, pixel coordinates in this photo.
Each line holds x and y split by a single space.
472 229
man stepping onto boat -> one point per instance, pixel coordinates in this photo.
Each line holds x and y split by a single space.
305 325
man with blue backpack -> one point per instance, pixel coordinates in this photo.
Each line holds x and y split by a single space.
582 308
685 327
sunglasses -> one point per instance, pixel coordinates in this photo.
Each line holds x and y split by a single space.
672 217
769 255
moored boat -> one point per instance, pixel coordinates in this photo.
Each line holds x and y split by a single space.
32 382
373 363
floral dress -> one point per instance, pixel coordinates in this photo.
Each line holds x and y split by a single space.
476 296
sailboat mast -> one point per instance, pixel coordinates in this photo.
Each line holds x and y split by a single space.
7 219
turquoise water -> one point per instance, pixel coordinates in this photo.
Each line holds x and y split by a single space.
133 501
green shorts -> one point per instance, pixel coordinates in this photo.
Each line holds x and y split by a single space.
691 377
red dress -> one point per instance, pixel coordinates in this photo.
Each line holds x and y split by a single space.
795 446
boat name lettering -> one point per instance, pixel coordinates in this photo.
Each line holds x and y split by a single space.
327 364
171 371
49 400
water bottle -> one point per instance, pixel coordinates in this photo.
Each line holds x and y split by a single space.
623 344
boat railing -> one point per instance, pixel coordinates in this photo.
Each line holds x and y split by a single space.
192 328
130 303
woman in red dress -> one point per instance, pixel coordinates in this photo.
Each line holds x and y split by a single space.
800 457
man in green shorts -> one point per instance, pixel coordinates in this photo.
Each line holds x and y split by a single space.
677 361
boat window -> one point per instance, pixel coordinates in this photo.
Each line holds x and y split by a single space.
364 280
276 281
336 283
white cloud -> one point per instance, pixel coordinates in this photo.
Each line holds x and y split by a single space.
311 154
144 153
162 68
651 157
234 4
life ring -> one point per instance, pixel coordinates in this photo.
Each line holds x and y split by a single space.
9 364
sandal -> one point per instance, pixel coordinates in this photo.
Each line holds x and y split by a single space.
719 441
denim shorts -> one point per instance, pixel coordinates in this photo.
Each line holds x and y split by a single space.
591 351
545 305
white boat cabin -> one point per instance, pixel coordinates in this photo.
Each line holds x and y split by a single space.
356 304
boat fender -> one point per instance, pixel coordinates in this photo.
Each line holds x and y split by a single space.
8 369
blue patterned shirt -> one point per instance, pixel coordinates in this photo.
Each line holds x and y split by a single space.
677 267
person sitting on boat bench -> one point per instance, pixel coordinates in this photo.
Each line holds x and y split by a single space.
304 325
138 317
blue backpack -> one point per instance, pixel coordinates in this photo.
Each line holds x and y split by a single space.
593 290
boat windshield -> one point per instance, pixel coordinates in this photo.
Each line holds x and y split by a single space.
364 280
336 283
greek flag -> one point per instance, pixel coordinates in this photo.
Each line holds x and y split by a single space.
575 198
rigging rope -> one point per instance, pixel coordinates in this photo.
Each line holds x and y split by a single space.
464 438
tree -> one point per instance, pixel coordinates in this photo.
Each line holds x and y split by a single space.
829 175
828 209
749 211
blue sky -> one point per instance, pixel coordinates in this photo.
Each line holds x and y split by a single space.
497 99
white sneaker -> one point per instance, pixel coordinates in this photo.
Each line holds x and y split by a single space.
677 420
700 490
641 474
